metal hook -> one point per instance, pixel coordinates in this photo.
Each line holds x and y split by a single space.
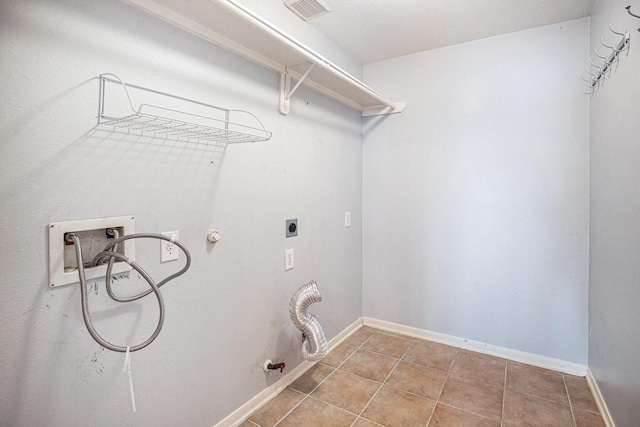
591 84
599 68
591 88
632 14
625 40
615 32
589 72
600 56
607 62
606 45
629 10
610 47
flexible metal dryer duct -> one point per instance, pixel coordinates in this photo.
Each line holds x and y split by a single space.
314 346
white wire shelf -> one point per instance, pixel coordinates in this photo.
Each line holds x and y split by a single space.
157 121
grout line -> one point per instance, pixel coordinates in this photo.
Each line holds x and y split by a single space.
444 384
466 411
354 352
308 395
379 354
408 392
335 406
504 391
543 399
382 383
369 402
424 366
323 381
368 420
566 389
292 409
339 365
321 401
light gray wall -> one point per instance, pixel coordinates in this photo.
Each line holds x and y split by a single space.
476 196
230 311
614 292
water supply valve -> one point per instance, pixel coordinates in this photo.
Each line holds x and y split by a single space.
270 366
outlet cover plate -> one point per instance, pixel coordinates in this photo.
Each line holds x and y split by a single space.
169 251
291 228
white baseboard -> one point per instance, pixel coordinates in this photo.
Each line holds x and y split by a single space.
597 395
242 413
560 365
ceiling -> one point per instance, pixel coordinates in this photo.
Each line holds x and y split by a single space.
375 30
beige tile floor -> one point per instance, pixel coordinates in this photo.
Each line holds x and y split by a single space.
376 378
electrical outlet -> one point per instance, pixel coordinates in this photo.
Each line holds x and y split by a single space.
347 219
291 229
288 259
169 251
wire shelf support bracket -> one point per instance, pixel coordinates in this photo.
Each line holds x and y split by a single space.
158 121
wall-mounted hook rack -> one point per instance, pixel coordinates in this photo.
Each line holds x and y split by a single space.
607 61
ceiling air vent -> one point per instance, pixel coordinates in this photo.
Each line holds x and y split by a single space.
307 9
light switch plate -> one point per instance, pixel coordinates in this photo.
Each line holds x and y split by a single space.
288 259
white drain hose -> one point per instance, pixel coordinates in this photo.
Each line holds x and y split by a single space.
314 346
